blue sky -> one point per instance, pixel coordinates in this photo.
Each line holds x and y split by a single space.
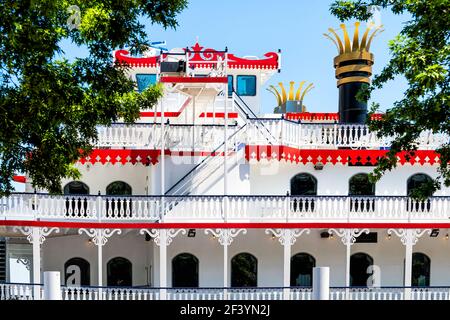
254 27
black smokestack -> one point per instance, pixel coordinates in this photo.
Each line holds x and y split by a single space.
353 70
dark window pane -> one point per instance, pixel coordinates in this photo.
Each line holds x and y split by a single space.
230 86
77 272
246 85
302 265
184 271
244 270
119 272
145 80
421 265
359 264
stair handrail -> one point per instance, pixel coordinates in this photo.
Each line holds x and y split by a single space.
210 156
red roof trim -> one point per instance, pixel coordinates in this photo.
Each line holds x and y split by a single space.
322 116
194 79
151 114
231 115
200 57
20 179
223 225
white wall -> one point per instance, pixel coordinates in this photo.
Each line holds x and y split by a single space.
274 178
388 254
130 245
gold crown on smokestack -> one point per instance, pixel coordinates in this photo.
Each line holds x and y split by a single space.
354 57
283 97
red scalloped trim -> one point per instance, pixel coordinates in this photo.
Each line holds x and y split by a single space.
204 58
342 156
322 116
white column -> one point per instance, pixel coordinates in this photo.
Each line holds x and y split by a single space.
287 237
52 285
100 265
409 238
348 237
321 283
225 238
163 263
163 147
193 121
100 238
36 236
163 238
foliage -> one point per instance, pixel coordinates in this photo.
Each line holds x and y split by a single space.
421 54
50 106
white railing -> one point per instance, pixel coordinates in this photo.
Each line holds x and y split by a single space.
390 293
258 132
108 293
177 137
26 206
16 291
307 209
25 292
316 136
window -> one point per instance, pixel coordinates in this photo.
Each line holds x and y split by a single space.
421 265
119 272
359 264
77 272
230 86
244 270
302 265
118 188
76 187
304 185
118 206
415 182
145 80
246 85
360 186
185 271
76 204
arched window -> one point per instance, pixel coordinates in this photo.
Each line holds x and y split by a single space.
302 265
421 266
76 187
359 187
185 271
244 270
305 186
118 206
359 264
118 188
416 182
120 272
76 203
77 272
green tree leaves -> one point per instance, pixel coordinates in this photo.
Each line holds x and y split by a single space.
50 106
420 53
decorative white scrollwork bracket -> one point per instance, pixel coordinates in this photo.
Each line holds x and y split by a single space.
157 236
287 236
99 236
348 236
409 236
40 234
225 236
